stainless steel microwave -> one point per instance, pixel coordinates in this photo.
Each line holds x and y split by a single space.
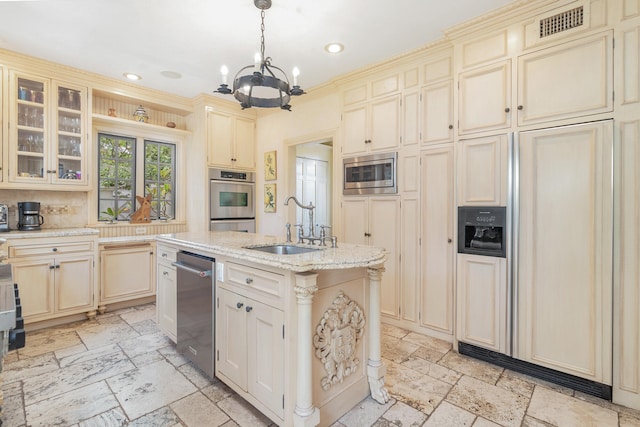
372 174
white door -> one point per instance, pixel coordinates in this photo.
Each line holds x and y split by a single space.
564 265
312 185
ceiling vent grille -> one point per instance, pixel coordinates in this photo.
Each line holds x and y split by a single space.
562 22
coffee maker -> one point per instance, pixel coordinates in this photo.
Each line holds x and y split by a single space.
29 217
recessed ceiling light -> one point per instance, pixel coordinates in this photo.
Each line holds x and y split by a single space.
171 74
334 47
132 76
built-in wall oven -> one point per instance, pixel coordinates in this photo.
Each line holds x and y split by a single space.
232 200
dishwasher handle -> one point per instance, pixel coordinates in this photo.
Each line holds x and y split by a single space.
183 266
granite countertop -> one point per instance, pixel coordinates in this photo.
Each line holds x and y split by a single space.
50 232
234 244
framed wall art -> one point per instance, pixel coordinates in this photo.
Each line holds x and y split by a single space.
270 165
270 198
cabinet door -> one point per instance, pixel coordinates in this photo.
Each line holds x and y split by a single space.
484 98
74 284
265 345
126 273
384 231
482 171
385 124
68 148
244 139
355 220
437 113
570 80
410 261
35 279
564 265
219 139
166 300
29 112
354 136
411 118
482 301
231 337
437 240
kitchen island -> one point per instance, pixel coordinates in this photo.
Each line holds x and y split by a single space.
297 336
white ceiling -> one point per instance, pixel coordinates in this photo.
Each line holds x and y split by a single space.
196 37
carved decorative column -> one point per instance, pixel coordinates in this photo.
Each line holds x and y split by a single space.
375 368
305 414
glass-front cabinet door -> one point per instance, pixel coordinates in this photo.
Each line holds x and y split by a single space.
46 145
69 145
29 135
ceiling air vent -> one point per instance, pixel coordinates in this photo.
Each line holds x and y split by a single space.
561 22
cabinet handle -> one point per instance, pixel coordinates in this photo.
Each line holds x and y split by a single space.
239 304
506 110
51 171
164 255
248 280
248 308
367 234
520 107
51 267
166 273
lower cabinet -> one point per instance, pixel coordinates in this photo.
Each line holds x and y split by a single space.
482 301
167 291
56 276
127 271
251 347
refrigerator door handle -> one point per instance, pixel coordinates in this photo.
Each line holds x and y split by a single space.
514 183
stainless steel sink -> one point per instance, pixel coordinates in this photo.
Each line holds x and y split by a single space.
283 249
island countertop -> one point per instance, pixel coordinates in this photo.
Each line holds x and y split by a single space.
235 244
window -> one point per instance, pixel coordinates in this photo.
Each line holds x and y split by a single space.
119 183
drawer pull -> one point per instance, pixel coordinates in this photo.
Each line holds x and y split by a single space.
248 280
248 308
239 304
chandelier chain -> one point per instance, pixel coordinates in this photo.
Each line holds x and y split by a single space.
262 36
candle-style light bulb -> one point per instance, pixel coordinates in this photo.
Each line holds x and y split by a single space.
257 60
296 73
224 72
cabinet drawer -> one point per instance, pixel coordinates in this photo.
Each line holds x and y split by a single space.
49 249
167 254
253 278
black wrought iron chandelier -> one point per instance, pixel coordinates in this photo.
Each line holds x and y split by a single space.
267 86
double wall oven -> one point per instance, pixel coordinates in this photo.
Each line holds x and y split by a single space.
232 200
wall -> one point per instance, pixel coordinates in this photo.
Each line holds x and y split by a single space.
60 209
311 119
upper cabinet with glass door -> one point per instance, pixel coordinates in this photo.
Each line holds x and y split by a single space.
47 144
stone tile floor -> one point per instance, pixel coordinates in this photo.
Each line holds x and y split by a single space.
119 369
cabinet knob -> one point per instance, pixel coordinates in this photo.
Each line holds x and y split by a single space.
248 280
520 107
55 249
449 240
367 234
51 267
506 110
248 308
239 305
166 273
450 126
164 255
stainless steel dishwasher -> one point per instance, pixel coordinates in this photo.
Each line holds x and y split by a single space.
196 294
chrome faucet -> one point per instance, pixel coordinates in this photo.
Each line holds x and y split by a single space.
310 208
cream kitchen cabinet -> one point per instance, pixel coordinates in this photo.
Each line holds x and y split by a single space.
250 333
371 127
484 98
55 278
437 113
437 249
375 221
482 171
231 141
568 80
482 301
47 129
167 291
127 272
